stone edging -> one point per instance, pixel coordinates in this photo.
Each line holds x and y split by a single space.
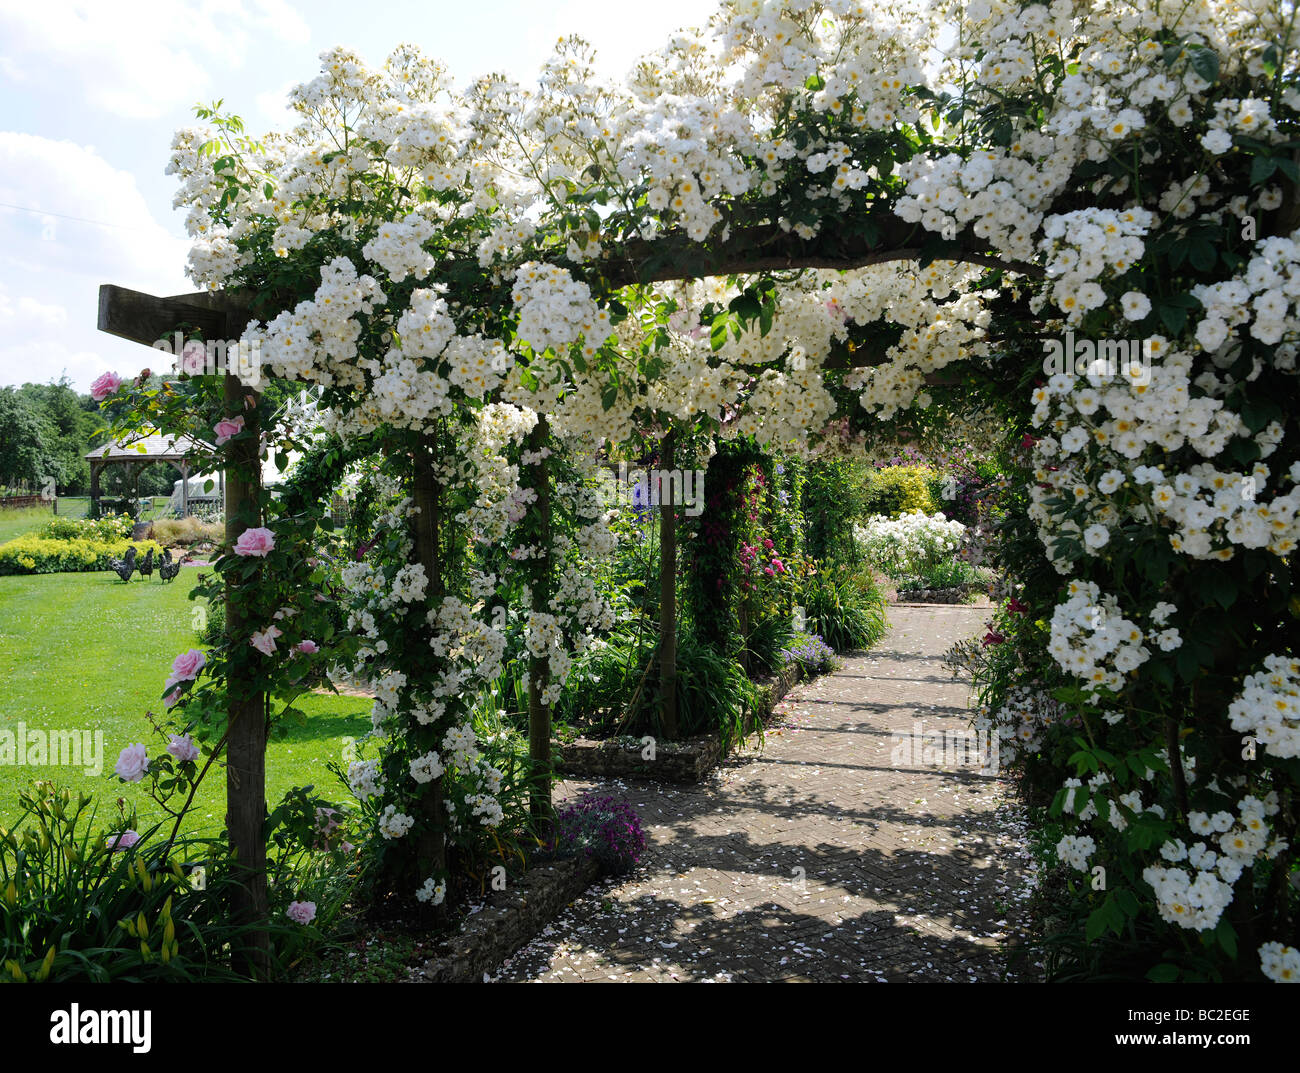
511 918
688 760
954 594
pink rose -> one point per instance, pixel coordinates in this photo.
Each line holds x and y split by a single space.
193 358
768 571
186 666
307 647
183 748
170 695
255 542
125 840
132 763
104 386
228 427
301 912
780 566
264 640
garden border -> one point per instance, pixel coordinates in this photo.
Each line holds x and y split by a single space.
686 761
512 918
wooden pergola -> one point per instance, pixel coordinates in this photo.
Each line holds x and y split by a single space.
138 452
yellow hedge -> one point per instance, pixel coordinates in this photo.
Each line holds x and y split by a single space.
897 490
32 554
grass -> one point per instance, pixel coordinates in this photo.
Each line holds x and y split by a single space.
86 652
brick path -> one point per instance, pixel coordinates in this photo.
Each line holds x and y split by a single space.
908 873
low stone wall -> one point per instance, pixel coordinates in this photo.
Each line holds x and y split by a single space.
688 760
955 594
511 918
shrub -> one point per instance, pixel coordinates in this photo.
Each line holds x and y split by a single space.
911 545
173 532
32 554
614 687
105 529
603 827
766 641
897 490
844 607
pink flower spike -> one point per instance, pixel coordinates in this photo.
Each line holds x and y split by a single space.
105 385
264 640
258 542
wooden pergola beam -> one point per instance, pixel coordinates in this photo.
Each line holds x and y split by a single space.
147 319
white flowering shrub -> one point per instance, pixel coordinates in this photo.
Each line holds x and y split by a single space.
909 545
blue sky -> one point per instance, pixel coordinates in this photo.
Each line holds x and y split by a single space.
90 93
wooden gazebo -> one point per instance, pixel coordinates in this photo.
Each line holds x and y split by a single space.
139 451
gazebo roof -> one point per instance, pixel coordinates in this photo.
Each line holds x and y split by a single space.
157 447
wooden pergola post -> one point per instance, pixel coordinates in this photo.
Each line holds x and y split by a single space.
539 667
246 710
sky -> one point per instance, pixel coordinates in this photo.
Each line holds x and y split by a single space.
91 92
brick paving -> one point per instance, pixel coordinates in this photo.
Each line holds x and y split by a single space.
811 856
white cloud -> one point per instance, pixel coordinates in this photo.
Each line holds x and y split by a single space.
141 59
52 261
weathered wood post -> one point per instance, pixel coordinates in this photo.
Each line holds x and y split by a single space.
667 589
539 713
246 708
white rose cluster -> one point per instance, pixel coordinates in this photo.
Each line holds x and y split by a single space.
1268 707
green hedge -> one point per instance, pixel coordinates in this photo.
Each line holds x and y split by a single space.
33 554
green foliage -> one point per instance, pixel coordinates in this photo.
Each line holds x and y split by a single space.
613 689
833 498
844 606
42 555
897 490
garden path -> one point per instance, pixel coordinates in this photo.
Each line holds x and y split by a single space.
815 857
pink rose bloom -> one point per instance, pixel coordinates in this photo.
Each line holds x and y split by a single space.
307 647
227 427
780 566
171 696
125 840
255 542
183 748
301 912
264 640
193 358
132 763
104 386
768 571
186 666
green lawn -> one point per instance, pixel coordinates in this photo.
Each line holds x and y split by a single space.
87 652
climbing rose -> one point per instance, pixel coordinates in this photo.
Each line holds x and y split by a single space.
132 763
183 748
264 640
255 542
125 840
186 666
307 647
228 427
104 386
